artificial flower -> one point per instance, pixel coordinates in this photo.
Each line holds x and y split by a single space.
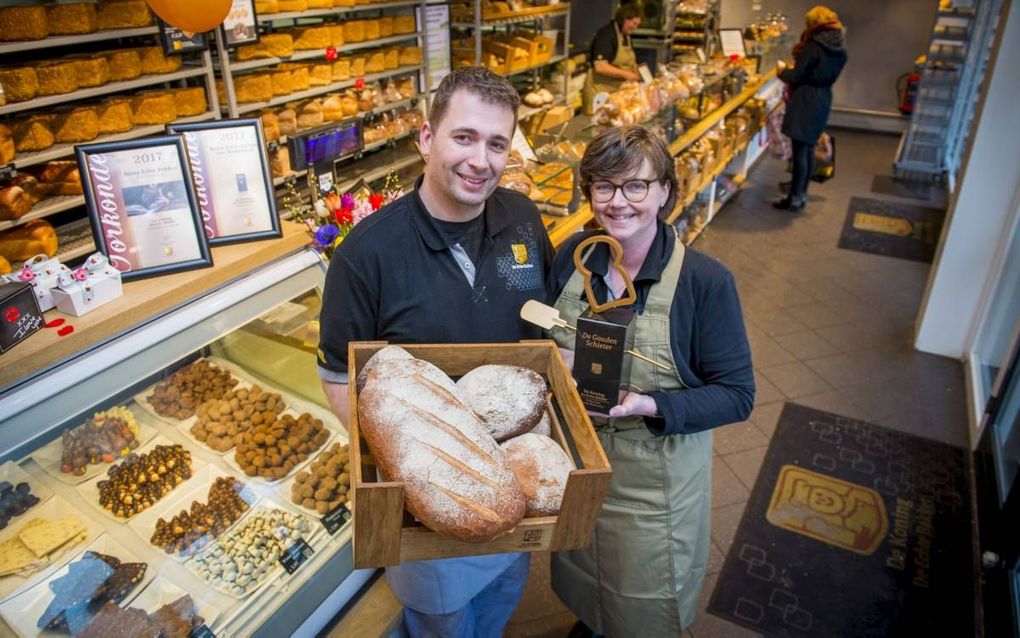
325 235
12 314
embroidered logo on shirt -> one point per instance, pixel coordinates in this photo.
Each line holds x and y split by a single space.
520 252
517 268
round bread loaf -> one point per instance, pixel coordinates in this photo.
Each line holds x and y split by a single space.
456 478
386 354
544 426
511 399
542 468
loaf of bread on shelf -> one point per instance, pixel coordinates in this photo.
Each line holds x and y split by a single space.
153 107
114 115
72 19
91 71
320 4
320 73
32 133
343 3
7 149
281 81
190 100
392 58
5 266
371 29
309 114
403 24
123 64
354 31
18 196
293 5
123 14
342 70
332 109
288 121
23 23
263 7
20 83
349 103
28 240
410 56
300 78
270 45
154 61
376 63
358 65
336 34
385 26
311 38
56 178
254 87
57 76
75 125
279 161
270 125
456 479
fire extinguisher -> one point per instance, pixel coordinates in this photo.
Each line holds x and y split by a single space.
907 85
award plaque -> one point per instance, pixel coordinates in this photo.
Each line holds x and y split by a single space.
602 336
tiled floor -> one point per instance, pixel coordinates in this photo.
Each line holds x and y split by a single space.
829 328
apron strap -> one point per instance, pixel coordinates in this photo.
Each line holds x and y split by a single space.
660 298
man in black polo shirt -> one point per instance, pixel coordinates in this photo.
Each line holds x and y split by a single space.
453 261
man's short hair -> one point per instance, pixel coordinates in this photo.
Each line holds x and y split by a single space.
479 81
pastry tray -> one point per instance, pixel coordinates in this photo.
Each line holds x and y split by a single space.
21 612
283 489
14 473
51 508
89 491
49 456
162 591
195 489
142 397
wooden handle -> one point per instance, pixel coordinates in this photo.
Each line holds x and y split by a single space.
617 251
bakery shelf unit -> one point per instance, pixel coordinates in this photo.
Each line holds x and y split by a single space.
253 314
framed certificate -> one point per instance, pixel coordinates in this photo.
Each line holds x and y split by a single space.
233 187
241 24
142 206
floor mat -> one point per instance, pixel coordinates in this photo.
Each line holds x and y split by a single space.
886 185
894 230
851 530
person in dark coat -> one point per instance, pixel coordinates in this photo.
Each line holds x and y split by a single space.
818 59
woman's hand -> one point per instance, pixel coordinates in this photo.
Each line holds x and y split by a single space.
780 65
634 404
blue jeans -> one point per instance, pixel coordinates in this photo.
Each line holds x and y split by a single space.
484 616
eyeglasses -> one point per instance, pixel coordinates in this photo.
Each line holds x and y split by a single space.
634 190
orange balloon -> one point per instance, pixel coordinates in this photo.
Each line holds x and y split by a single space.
194 16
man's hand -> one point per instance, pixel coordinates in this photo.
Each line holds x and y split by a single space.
336 393
634 404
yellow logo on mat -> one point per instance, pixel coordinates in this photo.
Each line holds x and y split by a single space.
883 224
828 509
520 252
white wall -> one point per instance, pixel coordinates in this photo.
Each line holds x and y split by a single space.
974 237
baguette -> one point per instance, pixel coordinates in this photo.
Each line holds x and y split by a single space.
456 479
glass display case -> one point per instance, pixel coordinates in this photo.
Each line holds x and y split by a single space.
190 453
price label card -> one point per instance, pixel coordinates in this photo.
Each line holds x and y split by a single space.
701 54
645 73
296 555
202 631
8 171
336 518
521 144
732 41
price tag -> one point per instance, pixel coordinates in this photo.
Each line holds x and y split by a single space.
272 145
521 144
336 518
645 73
8 171
296 555
331 54
202 631
701 54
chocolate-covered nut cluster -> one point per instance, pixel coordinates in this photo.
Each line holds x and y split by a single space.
107 436
140 480
179 395
222 421
188 532
325 483
15 501
272 450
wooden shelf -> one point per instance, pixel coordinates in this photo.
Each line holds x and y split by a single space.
143 300
322 90
320 54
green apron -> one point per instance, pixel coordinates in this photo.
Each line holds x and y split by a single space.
595 83
642 574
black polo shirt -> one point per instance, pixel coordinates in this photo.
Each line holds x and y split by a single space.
397 277
707 334
603 45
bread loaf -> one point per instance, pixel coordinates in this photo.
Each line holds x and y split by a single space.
72 19
311 38
354 31
320 4
23 23
456 479
392 58
6 144
542 468
349 104
371 29
189 100
18 196
403 24
270 45
123 14
309 114
57 178
153 107
279 161
320 74
263 7
293 5
544 426
254 87
114 115
33 133
358 66
155 61
300 79
270 125
336 35
510 399
75 125
389 353
20 83
385 26
282 82
30 239
124 64
342 70
288 121
57 77
92 71
5 266
410 55
332 110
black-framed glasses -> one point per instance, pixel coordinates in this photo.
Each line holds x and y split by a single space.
634 190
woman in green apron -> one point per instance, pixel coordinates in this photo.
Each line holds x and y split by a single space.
642 574
612 60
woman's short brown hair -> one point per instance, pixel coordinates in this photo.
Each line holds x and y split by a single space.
620 151
629 11
479 81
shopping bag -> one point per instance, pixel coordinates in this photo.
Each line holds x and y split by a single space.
825 158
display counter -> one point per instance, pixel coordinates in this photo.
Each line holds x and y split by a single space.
178 443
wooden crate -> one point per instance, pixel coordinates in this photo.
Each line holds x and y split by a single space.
385 534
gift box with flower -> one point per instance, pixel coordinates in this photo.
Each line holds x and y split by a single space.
86 288
41 272
332 217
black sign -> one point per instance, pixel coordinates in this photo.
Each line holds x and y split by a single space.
8 171
336 518
177 41
296 555
202 631
19 314
599 364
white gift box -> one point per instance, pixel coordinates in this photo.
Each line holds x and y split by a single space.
43 273
83 289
